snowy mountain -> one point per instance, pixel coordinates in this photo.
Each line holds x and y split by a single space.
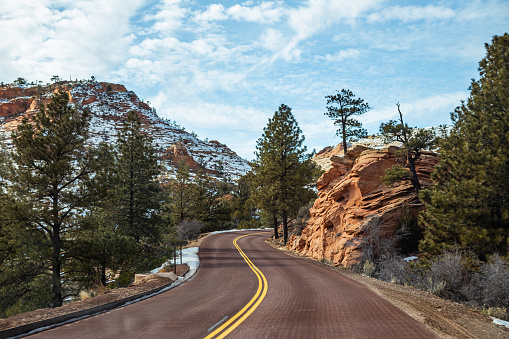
109 105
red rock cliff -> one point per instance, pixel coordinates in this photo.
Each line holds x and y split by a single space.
350 195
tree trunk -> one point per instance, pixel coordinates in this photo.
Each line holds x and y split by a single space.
344 136
181 251
415 179
56 266
274 221
285 227
103 271
175 258
56 262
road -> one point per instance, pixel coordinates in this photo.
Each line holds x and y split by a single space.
252 291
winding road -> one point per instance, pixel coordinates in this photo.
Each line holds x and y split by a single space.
246 289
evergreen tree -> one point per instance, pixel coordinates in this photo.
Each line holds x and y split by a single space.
469 204
413 143
282 169
51 178
137 190
341 108
181 195
99 245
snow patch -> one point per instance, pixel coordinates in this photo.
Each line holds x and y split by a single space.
407 259
500 322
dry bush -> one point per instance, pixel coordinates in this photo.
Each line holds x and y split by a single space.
448 270
302 218
394 269
489 287
189 229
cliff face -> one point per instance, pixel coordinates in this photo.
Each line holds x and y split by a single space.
109 105
350 195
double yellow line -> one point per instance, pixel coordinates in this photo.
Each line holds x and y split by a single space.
246 311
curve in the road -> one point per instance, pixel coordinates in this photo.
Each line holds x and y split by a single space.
246 311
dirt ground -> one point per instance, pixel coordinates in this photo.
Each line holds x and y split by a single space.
447 319
101 299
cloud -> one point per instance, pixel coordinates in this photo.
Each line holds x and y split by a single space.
265 13
341 56
202 114
167 17
90 36
424 109
316 15
412 13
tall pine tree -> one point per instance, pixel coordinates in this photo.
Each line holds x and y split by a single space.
137 190
282 169
52 178
342 108
469 204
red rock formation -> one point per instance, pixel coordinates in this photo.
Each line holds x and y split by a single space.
351 195
177 153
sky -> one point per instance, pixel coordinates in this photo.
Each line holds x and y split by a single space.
222 68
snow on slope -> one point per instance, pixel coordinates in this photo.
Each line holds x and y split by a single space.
109 105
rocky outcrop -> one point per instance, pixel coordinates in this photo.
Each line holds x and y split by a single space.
351 198
109 104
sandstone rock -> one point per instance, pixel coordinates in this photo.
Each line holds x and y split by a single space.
351 198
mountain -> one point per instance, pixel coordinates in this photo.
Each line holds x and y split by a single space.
109 104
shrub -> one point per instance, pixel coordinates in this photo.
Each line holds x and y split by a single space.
489 287
394 269
368 268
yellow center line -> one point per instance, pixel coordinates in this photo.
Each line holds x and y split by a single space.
229 326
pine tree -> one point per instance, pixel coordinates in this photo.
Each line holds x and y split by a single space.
341 108
51 178
181 195
282 169
469 204
137 193
414 142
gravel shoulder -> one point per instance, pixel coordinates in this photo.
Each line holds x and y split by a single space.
445 318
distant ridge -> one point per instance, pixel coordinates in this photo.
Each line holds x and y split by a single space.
109 104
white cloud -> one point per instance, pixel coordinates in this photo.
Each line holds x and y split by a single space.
265 13
167 18
412 13
90 36
341 56
418 109
316 15
214 12
210 115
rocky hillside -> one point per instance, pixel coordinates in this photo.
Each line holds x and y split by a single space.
109 104
352 200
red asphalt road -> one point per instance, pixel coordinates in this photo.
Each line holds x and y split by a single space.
304 300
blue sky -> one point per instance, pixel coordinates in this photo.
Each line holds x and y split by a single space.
221 68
